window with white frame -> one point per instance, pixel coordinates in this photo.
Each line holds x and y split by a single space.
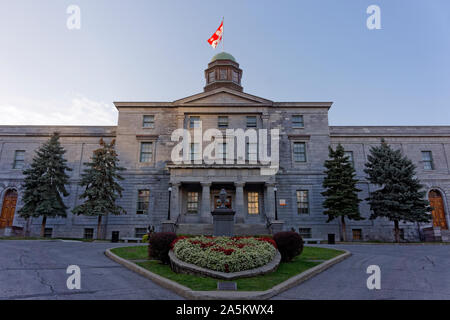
146 154
251 122
427 160
297 121
299 151
302 202
195 152
194 122
192 202
222 121
251 151
148 121
19 159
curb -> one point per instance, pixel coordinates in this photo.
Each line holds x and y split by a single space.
228 295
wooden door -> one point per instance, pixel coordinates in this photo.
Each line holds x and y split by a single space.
438 212
8 209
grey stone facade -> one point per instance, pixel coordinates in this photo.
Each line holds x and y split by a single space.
157 173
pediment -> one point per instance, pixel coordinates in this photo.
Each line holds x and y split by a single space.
223 96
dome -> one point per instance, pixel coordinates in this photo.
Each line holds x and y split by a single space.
223 56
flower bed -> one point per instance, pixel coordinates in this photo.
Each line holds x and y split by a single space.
225 254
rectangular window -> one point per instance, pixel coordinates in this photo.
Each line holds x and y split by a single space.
88 233
305 233
195 152
48 232
299 152
140 232
235 76
223 74
357 234
253 203
143 201
146 152
192 202
251 121
427 159
222 122
19 159
222 152
212 76
194 122
148 121
349 154
302 202
251 152
297 121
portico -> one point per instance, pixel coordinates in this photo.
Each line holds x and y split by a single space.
195 193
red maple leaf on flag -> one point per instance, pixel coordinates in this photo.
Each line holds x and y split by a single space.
216 37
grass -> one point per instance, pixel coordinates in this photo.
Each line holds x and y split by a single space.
132 253
285 270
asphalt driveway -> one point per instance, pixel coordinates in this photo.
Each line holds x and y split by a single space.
407 272
37 270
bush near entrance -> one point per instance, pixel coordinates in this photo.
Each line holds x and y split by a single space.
159 245
289 243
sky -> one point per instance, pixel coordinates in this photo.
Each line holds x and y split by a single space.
142 50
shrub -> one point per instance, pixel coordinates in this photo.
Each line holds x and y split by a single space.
289 243
145 238
226 254
159 245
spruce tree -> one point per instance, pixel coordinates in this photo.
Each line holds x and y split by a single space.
400 195
341 193
100 180
45 182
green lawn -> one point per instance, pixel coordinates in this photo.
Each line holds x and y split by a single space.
258 283
132 253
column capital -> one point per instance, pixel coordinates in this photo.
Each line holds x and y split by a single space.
175 184
205 184
270 184
239 184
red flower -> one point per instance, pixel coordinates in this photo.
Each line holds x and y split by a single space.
176 240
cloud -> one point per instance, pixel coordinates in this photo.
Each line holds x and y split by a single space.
77 110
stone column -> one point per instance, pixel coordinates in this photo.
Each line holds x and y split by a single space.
206 203
240 208
270 201
175 201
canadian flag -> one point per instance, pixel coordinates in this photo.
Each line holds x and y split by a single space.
216 37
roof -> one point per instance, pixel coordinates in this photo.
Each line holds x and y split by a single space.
223 56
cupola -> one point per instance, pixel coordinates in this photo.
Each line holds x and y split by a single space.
223 71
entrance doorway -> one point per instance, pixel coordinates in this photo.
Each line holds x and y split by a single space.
8 208
438 213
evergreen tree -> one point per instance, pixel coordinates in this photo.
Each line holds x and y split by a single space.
341 193
44 183
99 179
400 196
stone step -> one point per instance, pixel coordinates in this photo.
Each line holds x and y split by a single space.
207 229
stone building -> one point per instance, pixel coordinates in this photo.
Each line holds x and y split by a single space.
293 194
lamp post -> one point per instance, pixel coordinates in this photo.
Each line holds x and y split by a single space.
168 210
276 206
